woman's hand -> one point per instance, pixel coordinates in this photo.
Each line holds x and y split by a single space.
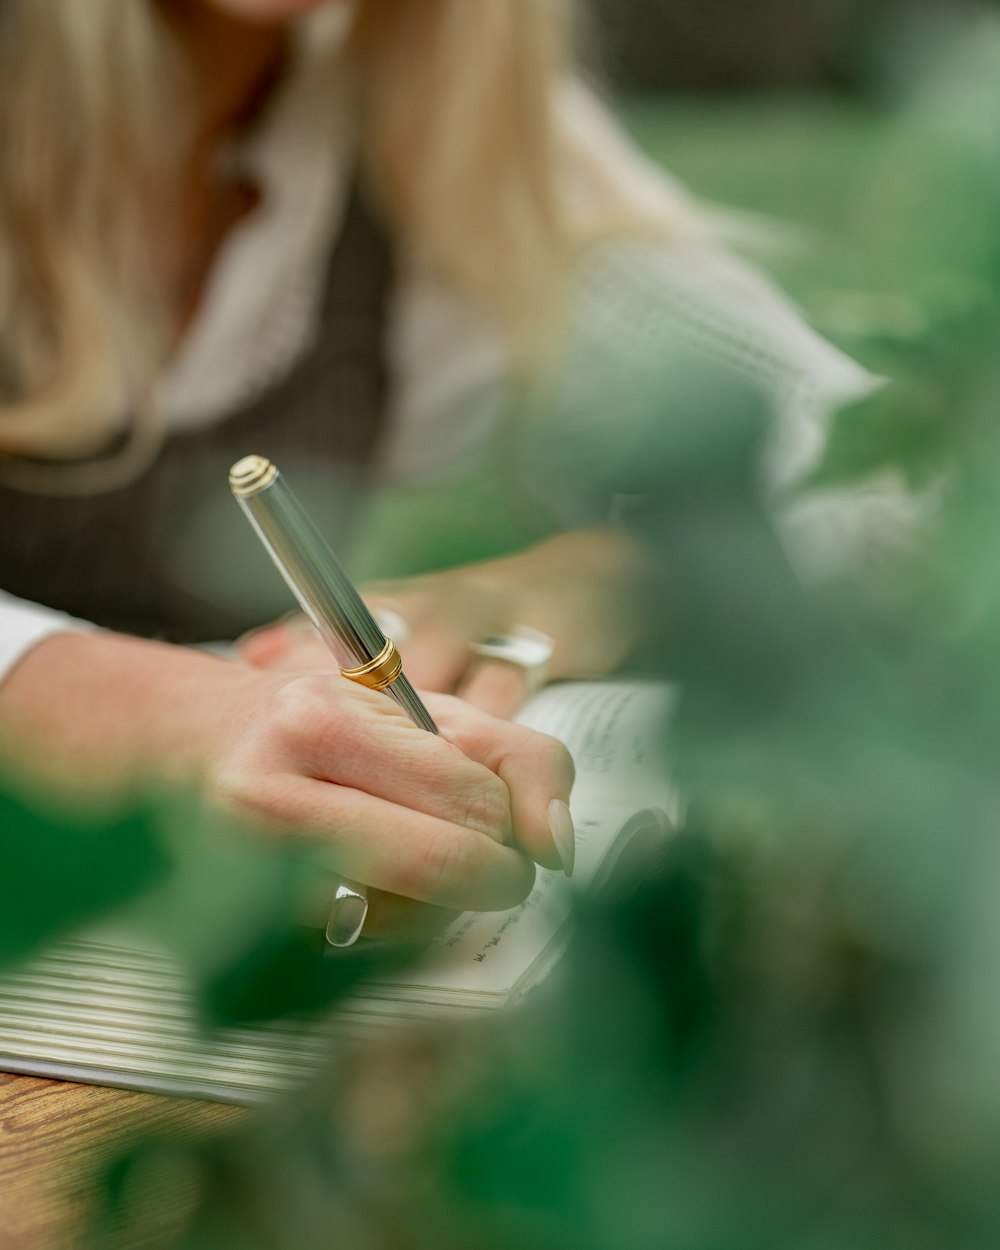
451 821
579 589
433 824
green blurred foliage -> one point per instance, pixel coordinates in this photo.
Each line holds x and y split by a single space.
62 867
242 915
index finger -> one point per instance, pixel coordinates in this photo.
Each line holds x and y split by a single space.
538 772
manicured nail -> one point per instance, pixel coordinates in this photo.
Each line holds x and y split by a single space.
563 834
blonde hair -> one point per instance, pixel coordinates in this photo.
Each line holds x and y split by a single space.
459 137
76 185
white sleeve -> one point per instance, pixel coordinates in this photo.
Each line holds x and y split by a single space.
24 624
639 303
642 305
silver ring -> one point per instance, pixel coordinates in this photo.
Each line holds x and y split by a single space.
529 649
348 912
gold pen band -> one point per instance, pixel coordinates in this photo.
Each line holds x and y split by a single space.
380 672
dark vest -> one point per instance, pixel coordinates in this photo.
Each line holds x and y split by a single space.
169 555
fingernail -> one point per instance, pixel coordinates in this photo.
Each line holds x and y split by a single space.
563 834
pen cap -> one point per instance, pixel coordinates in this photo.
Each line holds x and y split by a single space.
312 572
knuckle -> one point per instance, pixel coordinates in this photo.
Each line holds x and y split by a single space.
552 753
486 807
229 791
312 713
295 705
248 800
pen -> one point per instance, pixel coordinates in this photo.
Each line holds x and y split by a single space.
328 597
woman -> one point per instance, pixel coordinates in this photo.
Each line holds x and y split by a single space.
215 215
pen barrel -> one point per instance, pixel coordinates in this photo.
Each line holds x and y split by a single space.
322 588
411 703
313 573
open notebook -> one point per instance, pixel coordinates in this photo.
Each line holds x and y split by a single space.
103 1010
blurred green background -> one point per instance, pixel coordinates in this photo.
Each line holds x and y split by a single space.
869 125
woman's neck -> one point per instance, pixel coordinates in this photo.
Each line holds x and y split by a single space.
234 65
233 69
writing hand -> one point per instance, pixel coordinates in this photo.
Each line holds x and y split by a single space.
449 822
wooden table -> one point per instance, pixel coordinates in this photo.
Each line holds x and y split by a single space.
51 1135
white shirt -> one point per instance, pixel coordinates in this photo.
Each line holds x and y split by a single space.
449 365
